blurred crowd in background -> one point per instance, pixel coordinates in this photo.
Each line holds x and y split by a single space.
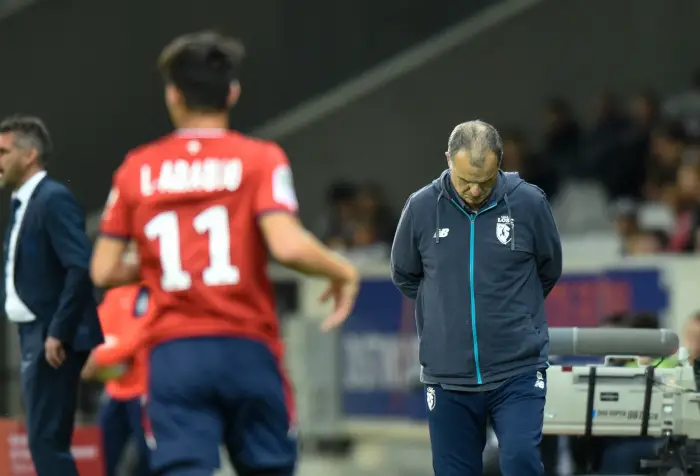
636 167
358 221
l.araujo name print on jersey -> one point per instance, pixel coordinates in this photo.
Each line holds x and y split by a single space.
179 176
192 206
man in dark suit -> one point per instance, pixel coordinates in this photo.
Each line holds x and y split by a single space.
46 290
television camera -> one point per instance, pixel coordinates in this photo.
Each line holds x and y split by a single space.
627 401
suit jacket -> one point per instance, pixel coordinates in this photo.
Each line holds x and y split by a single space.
52 268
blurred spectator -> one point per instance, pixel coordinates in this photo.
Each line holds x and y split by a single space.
686 236
685 108
519 157
691 337
562 137
647 242
644 110
691 155
373 226
627 170
644 320
336 226
636 240
603 145
617 320
668 143
642 159
374 214
624 215
358 221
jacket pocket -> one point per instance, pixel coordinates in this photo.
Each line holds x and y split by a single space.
446 346
508 338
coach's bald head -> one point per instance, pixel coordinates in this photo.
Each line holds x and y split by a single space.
474 153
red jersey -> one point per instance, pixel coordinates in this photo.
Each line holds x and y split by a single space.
123 312
191 201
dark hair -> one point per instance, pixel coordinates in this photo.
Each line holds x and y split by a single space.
673 131
644 320
30 133
650 96
202 66
514 134
661 236
559 107
619 319
340 192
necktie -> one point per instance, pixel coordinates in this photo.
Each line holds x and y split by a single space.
8 230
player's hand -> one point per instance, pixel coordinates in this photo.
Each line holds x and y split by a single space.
344 294
55 353
90 368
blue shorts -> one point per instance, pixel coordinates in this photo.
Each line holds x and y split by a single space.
205 392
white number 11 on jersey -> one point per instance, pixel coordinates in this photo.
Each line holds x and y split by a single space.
165 227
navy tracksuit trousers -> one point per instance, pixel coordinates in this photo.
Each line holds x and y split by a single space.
458 419
120 422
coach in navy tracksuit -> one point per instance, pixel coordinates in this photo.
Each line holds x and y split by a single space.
479 251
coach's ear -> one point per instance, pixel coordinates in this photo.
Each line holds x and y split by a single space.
449 161
234 93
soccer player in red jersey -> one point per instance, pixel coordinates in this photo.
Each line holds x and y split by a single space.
205 205
122 311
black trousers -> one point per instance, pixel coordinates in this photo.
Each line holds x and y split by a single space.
51 398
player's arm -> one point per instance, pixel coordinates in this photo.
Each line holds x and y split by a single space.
296 248
288 241
547 246
108 267
293 246
406 263
112 263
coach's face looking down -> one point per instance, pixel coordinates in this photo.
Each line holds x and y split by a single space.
474 153
473 178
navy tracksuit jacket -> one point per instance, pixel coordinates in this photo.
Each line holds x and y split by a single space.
480 281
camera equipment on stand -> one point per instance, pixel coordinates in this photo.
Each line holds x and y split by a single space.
629 401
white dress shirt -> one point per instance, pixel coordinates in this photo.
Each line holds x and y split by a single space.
15 309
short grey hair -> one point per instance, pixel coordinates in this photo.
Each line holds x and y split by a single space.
29 133
478 138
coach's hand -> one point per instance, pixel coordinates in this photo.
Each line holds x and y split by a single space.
344 294
55 353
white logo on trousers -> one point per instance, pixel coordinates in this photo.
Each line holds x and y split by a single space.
539 383
430 398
